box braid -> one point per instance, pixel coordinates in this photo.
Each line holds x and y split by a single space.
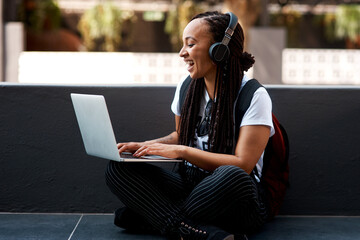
190 110
228 81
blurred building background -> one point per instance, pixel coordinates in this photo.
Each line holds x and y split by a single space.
136 42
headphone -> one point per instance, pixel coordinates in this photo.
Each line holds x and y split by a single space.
219 52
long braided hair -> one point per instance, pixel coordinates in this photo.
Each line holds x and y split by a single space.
227 85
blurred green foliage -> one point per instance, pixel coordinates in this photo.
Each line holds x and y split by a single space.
40 15
177 20
343 24
347 22
291 20
101 26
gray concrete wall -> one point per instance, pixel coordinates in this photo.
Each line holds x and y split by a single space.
267 45
43 166
14 45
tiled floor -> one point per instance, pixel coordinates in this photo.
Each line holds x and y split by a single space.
311 228
100 226
63 226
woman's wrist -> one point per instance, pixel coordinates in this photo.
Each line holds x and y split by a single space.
169 139
147 142
182 151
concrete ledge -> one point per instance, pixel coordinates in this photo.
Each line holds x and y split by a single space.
44 168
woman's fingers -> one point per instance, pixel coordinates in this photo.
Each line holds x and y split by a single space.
165 150
141 151
128 147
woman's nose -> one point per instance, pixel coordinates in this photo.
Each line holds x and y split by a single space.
182 52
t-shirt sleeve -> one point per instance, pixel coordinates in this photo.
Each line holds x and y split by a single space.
259 111
175 105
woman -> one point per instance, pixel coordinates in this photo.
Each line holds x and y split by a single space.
214 195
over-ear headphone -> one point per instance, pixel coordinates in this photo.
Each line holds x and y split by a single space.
219 51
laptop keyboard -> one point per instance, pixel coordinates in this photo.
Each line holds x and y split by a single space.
148 157
127 155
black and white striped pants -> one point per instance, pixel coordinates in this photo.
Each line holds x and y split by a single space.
227 198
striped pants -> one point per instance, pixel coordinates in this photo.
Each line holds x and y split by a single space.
227 198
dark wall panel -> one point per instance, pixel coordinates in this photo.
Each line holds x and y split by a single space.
44 168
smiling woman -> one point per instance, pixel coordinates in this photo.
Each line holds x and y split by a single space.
197 41
216 192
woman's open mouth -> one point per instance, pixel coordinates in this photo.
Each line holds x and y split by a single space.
189 65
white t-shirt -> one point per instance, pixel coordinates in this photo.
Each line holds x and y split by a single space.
258 113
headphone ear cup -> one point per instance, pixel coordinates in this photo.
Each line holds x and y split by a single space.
219 52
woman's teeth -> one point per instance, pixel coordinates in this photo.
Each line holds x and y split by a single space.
189 63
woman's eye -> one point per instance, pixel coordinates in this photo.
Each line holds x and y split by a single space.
191 45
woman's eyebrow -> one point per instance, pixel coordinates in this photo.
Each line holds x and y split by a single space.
190 37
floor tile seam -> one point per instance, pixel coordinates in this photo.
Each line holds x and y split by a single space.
77 224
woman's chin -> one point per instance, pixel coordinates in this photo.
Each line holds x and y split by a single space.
193 75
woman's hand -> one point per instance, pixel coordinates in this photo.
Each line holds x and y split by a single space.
129 147
138 148
164 150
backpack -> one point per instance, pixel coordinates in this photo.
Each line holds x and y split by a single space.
275 172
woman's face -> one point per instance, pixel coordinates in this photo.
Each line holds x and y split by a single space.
196 43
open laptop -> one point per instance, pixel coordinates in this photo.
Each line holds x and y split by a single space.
97 132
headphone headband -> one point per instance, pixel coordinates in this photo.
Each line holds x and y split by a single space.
219 51
230 29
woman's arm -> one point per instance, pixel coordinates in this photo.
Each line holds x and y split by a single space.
251 144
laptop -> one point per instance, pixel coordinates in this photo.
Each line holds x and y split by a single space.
97 132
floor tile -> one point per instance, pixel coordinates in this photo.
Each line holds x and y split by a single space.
94 227
100 226
37 226
296 228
